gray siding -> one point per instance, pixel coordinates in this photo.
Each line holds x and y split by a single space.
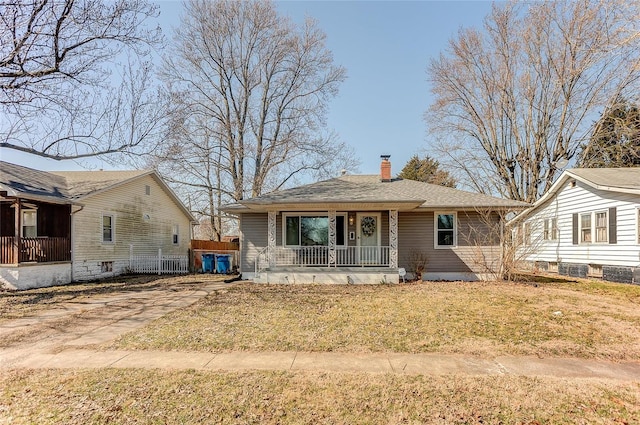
473 253
254 236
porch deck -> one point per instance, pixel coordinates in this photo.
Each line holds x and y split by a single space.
314 264
34 250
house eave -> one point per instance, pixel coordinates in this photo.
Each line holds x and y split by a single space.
325 206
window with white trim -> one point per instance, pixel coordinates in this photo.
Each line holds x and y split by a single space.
308 229
550 229
585 228
602 226
175 235
445 229
29 223
107 229
638 226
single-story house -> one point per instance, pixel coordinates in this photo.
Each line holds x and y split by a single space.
368 229
62 226
586 225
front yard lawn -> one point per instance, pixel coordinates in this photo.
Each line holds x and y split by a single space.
112 396
588 319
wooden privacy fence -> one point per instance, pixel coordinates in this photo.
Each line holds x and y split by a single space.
214 245
160 264
199 247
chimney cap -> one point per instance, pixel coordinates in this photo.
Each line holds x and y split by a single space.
385 156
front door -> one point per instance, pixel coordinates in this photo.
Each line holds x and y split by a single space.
368 230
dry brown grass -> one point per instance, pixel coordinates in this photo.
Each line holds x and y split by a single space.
112 396
594 321
17 304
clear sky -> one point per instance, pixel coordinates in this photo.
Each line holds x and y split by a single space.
385 47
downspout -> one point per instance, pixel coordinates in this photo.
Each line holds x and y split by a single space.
73 251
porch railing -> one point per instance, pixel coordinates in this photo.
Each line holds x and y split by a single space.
318 256
39 250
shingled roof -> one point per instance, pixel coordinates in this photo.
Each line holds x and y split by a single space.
369 189
59 186
609 178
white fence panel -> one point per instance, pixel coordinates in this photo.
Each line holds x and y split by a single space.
160 264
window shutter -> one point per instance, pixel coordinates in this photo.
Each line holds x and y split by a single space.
613 226
575 229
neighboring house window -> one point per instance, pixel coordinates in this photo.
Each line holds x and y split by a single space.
29 223
527 234
107 228
312 230
551 229
445 229
585 228
174 237
147 189
602 232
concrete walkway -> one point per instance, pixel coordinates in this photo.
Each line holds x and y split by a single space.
103 318
396 363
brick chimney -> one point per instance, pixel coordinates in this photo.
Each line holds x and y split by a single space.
385 168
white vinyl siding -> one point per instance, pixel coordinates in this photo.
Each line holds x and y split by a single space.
582 199
128 205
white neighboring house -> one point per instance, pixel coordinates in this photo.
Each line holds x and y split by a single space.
587 225
63 226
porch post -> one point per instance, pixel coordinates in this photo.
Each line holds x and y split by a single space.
332 238
393 239
16 231
271 238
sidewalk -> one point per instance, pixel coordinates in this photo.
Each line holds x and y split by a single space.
396 363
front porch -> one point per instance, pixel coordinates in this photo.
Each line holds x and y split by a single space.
329 247
34 232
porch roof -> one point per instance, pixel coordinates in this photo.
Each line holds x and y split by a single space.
367 192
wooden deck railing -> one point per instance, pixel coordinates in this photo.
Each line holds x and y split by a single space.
39 250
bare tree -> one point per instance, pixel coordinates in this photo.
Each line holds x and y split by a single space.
63 92
253 90
513 100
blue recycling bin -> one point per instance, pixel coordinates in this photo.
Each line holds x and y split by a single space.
207 263
223 263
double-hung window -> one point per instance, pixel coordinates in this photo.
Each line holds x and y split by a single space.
445 230
175 235
585 228
602 230
594 227
29 223
107 229
551 229
312 230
